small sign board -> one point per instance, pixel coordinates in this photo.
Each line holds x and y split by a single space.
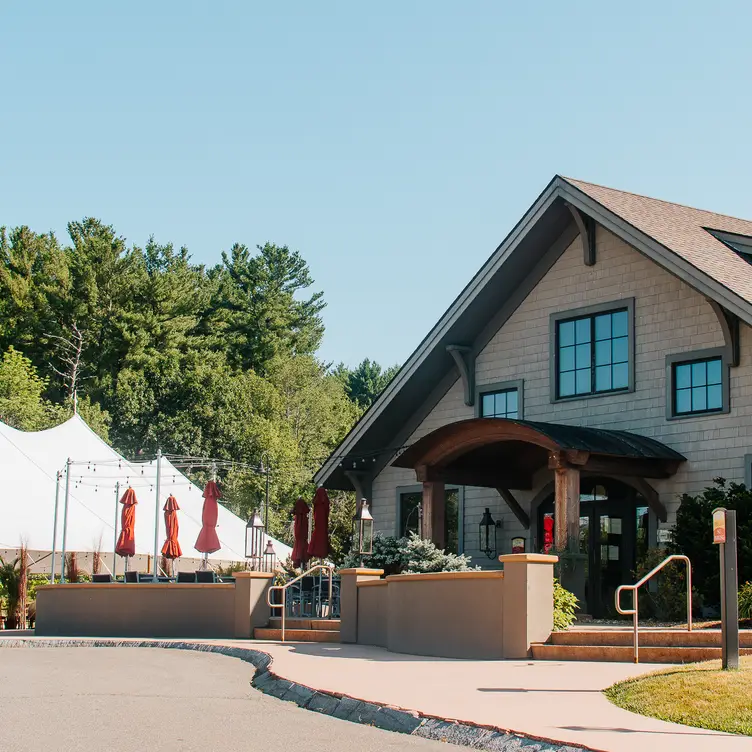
719 526
518 545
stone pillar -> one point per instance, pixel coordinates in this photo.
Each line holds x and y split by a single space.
528 601
251 607
434 502
348 600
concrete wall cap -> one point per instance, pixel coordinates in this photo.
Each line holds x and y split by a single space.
62 586
371 583
528 558
359 570
474 575
253 575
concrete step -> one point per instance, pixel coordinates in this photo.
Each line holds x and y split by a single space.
305 623
296 635
648 637
624 654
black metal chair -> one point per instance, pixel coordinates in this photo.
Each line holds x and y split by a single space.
186 577
131 575
143 577
102 578
206 575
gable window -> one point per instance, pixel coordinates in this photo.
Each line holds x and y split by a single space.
501 404
592 352
698 385
500 400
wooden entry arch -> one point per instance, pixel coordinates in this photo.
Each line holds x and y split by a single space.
505 454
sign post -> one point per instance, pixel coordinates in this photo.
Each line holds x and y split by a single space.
724 534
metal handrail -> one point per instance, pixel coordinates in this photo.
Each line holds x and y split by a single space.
283 588
633 611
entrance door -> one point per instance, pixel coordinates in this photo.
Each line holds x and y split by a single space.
613 535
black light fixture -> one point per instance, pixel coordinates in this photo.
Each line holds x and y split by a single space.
254 538
487 541
362 542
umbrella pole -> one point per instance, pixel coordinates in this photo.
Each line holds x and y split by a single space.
114 545
65 518
54 527
156 515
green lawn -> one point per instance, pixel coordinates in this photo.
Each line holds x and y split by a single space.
699 694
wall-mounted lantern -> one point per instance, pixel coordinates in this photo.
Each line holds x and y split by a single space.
254 539
362 531
487 534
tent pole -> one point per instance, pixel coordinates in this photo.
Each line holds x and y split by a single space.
54 527
156 516
114 545
65 518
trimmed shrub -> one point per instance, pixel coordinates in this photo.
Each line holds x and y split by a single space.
745 601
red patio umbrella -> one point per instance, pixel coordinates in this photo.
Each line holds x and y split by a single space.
126 545
319 546
300 532
207 541
171 548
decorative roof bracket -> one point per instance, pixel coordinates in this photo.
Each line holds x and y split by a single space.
465 362
586 226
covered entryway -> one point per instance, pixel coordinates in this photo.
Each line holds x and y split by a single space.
509 455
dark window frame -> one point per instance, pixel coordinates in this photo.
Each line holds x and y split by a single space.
495 388
628 305
697 356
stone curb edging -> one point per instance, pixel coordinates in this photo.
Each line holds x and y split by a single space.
386 717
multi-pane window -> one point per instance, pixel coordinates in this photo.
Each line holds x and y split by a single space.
698 386
504 403
592 354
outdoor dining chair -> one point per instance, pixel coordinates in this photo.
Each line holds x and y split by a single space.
131 575
206 575
186 577
107 577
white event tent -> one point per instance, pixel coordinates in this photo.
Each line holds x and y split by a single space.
29 463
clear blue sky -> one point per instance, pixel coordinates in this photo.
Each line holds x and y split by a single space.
394 144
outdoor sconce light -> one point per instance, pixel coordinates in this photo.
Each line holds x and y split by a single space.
270 558
254 538
487 534
363 531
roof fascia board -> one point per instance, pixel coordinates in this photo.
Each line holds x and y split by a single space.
520 230
659 253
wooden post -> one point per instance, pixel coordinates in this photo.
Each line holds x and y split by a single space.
434 501
566 504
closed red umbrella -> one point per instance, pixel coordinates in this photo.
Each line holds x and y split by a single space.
126 545
300 532
319 546
171 548
207 541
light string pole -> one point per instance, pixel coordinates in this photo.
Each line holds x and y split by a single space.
65 520
58 475
156 515
114 545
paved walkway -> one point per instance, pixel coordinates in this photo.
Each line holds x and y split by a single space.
559 701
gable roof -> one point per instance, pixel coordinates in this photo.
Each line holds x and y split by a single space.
674 236
684 231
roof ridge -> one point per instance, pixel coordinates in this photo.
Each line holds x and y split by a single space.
575 181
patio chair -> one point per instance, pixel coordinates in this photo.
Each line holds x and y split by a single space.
107 577
206 575
143 577
186 577
131 575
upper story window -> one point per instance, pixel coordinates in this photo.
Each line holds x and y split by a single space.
501 404
697 384
500 400
593 351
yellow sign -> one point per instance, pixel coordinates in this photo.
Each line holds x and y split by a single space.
719 526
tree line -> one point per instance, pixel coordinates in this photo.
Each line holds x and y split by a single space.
157 351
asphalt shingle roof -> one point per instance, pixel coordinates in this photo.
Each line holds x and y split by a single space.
681 229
